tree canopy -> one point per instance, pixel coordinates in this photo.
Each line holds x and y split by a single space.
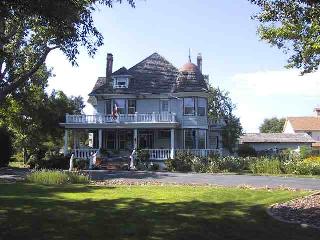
33 116
272 125
294 26
31 29
220 107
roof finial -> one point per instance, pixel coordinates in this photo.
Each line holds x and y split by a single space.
189 55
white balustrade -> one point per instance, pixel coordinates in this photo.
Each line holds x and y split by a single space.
159 154
122 118
84 153
163 154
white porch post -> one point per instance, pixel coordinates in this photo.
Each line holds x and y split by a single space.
65 149
100 139
135 139
172 143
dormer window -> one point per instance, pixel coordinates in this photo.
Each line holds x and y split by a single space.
120 82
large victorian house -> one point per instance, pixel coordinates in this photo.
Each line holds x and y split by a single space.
152 105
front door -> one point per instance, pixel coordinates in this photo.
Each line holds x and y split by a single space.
145 139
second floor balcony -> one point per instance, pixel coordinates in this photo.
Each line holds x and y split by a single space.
164 117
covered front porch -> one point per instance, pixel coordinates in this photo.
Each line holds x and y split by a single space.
161 143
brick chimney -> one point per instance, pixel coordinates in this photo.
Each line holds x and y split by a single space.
109 64
317 110
199 62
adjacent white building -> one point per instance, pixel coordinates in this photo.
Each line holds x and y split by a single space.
309 125
276 141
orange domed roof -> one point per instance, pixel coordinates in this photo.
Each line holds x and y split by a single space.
189 67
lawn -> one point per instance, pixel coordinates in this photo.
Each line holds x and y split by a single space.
29 211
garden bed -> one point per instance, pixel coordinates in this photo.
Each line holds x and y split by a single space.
305 211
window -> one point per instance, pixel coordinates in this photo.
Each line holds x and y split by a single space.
120 82
190 138
201 139
188 105
121 105
131 106
108 106
202 106
164 105
195 138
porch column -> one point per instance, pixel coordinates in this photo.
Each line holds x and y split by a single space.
172 143
75 135
100 139
135 139
65 149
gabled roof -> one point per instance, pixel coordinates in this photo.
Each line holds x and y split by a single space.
276 138
154 74
120 71
305 123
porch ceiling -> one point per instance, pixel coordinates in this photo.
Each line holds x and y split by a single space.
120 125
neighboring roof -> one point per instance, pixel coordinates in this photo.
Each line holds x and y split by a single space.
154 74
305 123
276 138
316 144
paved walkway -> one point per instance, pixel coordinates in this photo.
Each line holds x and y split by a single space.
216 179
12 174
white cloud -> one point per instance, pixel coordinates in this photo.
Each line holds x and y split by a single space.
266 94
73 80
285 82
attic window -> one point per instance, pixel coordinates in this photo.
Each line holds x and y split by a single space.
120 82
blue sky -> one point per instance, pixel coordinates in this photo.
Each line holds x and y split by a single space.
222 31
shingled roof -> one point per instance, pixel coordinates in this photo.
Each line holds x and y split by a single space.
276 138
154 74
305 123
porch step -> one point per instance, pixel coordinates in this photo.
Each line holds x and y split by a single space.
112 166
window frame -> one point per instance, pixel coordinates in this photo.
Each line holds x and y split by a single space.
128 106
205 106
194 106
116 81
161 102
110 106
125 104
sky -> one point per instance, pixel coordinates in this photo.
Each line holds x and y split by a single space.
222 31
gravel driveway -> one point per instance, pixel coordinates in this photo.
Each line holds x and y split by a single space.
13 174
215 179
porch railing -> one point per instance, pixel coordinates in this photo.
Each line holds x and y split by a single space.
155 154
84 153
163 154
123 118
159 154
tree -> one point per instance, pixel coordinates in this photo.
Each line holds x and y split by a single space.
272 125
294 26
31 29
33 116
220 107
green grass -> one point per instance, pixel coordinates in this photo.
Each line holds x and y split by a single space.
29 211
51 177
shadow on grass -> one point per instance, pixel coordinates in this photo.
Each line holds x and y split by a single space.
40 215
